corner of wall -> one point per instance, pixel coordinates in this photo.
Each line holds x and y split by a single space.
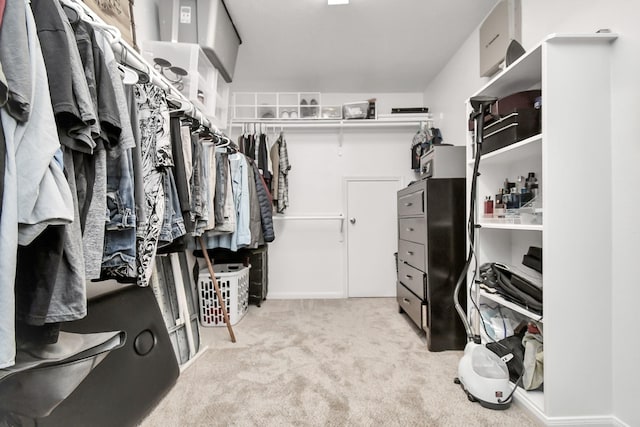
147 20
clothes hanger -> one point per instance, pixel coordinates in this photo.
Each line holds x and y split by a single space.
226 142
75 8
129 63
178 103
129 76
114 32
116 36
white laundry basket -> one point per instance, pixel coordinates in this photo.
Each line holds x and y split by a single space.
233 280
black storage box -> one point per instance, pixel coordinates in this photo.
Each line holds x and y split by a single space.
507 105
521 124
519 100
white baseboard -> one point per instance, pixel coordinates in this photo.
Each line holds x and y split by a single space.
305 295
593 421
617 422
534 408
189 362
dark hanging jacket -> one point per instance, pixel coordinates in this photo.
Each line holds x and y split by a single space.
266 213
263 160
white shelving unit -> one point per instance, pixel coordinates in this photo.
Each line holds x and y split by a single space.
573 72
278 105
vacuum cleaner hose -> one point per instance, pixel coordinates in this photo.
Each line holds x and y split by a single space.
479 104
463 274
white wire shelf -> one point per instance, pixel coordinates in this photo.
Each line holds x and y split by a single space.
334 124
510 226
514 307
531 146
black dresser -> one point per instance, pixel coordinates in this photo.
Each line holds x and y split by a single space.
431 255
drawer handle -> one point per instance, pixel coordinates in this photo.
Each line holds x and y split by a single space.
408 276
409 253
408 204
406 301
409 229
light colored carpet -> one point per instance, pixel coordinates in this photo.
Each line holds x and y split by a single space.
347 362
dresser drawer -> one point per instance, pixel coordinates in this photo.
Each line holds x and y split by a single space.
412 278
412 305
413 229
411 204
412 253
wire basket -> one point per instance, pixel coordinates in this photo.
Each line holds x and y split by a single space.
233 280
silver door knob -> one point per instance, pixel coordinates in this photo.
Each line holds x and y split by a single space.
352 220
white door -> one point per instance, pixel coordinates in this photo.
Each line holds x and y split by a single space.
372 236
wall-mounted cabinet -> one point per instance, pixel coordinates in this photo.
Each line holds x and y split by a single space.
572 159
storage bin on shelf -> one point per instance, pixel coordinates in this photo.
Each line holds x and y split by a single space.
188 68
276 105
233 280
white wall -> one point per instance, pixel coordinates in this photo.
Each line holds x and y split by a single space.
542 17
447 93
307 259
145 15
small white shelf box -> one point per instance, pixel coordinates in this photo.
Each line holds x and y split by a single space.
276 105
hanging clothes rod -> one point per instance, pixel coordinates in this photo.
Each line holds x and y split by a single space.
309 217
339 217
130 57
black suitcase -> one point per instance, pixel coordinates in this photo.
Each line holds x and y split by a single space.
520 124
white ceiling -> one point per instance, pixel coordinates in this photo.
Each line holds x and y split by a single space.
366 46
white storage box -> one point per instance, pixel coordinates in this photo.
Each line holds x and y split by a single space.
233 280
191 72
276 105
355 110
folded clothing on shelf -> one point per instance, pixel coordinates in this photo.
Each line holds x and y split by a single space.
512 286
